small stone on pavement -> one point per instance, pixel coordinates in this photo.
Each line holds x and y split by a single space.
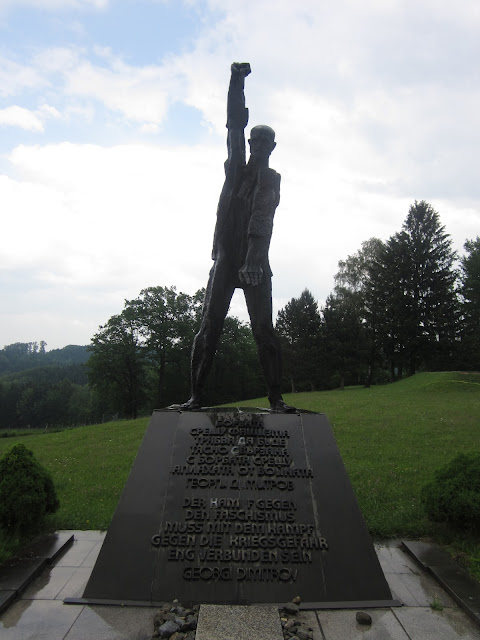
363 618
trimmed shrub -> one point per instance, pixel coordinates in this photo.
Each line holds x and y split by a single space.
454 495
27 492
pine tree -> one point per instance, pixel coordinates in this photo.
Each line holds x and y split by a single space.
388 312
469 352
298 326
470 288
344 344
430 294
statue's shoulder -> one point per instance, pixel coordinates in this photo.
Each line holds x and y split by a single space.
269 171
266 175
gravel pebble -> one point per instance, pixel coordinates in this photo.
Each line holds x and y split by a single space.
175 622
167 629
290 608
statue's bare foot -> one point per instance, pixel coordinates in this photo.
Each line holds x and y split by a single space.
191 405
279 406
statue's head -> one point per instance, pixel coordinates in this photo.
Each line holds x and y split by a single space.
262 141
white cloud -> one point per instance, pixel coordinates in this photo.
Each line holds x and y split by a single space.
139 94
56 59
127 216
150 128
16 116
89 226
49 112
16 77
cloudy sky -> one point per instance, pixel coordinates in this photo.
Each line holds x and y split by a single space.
112 141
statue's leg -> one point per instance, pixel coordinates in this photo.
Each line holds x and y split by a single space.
218 295
259 303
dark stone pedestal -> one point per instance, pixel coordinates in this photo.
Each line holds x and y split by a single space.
240 508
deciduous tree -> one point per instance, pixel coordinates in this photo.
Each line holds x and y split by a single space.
117 364
354 286
166 322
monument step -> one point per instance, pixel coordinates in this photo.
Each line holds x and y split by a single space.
234 622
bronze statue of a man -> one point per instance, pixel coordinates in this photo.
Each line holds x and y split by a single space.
246 208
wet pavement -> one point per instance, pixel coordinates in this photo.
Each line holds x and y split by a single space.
429 612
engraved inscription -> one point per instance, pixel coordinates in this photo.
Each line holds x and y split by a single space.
240 515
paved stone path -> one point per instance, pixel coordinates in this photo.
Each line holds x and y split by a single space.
40 614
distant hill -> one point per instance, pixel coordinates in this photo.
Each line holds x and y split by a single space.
48 374
40 388
22 356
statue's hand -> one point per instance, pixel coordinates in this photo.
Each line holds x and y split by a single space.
241 69
251 274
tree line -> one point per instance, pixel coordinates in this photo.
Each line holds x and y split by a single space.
398 306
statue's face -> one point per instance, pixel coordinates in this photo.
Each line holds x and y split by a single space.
262 142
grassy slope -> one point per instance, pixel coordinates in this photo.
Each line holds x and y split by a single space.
89 466
391 439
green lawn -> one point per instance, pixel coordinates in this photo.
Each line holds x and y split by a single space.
391 438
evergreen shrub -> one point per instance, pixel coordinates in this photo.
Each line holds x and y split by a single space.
454 495
27 492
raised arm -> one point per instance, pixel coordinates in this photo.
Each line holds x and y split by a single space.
237 116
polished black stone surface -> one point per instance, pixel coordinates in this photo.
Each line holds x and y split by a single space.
49 546
230 507
6 598
18 572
